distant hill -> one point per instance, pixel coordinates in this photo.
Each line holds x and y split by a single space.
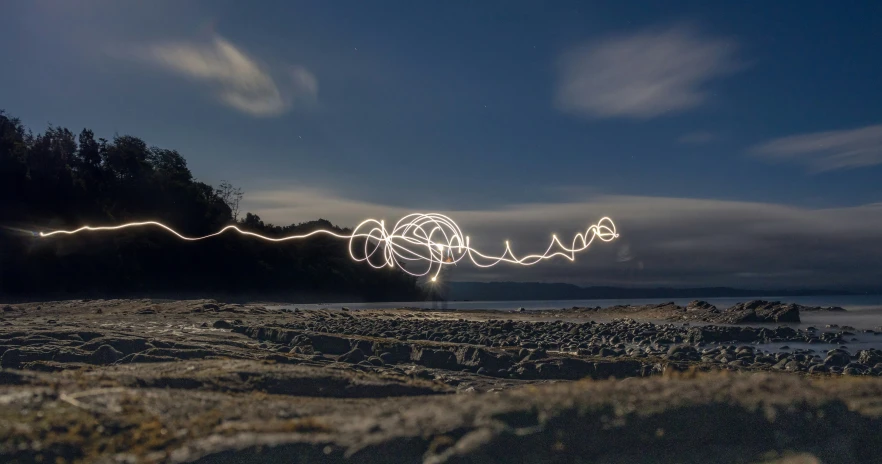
512 291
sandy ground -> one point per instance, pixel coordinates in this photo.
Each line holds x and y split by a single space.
204 381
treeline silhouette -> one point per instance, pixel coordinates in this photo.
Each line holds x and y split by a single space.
58 180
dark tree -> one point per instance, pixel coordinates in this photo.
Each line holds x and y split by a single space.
57 180
231 196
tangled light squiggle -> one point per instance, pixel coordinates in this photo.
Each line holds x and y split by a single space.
432 238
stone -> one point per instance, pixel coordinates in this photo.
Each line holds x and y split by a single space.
870 357
793 366
837 358
817 369
105 354
11 358
761 311
354 356
698 305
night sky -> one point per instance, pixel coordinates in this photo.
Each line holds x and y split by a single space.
734 143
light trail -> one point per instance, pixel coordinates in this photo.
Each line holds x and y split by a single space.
432 238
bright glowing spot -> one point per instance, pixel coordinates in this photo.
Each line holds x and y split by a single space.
410 240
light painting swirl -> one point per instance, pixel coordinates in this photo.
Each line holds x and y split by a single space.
432 239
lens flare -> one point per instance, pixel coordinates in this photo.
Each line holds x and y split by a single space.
431 239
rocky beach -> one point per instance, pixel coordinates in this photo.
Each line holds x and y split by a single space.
288 232
206 381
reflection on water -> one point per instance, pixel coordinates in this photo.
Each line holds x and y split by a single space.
866 318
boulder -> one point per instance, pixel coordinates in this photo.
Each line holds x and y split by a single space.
837 358
699 305
330 344
105 354
870 357
353 356
761 311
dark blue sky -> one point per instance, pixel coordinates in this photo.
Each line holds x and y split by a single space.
763 109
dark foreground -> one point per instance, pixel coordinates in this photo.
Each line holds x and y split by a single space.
201 381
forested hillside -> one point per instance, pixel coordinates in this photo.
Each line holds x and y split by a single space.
59 179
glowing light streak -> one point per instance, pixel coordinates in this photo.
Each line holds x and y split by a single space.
432 238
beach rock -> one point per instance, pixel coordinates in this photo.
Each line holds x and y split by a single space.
105 354
793 366
537 354
329 343
821 308
698 305
434 358
125 345
354 356
712 333
11 358
817 369
605 352
761 311
837 358
870 357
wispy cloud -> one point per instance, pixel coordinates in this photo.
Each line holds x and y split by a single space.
697 138
238 79
664 241
643 75
827 151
